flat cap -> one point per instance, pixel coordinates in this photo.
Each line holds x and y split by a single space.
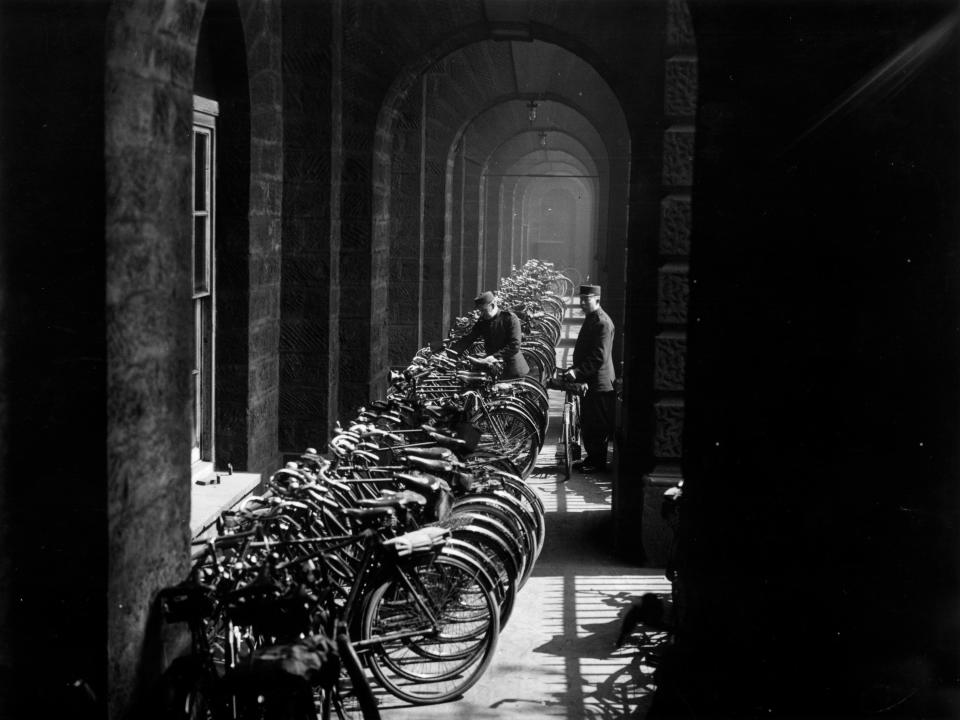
589 289
484 298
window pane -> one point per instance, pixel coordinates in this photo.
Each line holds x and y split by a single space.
201 272
200 173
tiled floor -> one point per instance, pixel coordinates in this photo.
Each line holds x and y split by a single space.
556 658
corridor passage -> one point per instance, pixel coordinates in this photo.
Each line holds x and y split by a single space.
557 658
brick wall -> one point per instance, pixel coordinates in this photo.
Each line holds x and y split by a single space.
406 243
457 180
262 30
309 252
441 125
490 209
472 249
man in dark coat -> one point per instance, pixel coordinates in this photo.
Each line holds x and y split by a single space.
500 331
593 364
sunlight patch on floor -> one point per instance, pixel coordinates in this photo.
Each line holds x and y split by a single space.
557 658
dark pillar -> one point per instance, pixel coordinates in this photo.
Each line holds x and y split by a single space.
821 501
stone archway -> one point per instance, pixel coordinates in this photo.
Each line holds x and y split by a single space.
642 252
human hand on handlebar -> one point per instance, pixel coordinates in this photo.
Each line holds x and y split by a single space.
569 375
487 361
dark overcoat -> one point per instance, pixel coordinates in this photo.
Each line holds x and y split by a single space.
501 337
593 353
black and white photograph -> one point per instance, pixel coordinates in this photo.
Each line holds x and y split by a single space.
480 359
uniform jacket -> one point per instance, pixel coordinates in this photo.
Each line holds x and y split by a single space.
593 353
501 338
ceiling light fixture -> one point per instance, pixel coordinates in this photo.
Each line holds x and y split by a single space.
532 110
543 139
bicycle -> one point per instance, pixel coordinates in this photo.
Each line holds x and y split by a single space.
568 445
256 650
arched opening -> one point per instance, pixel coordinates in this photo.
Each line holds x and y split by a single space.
459 156
221 77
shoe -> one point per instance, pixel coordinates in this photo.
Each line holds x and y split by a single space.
589 468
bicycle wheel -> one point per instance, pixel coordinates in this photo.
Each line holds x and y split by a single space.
514 485
522 511
575 427
539 419
566 440
530 391
416 661
503 584
534 361
509 430
492 459
350 696
506 538
518 528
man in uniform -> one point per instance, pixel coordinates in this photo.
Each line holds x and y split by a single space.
500 331
593 364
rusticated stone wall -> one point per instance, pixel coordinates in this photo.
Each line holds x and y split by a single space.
680 102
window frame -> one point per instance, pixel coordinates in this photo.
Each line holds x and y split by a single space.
202 455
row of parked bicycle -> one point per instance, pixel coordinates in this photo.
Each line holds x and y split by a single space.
393 560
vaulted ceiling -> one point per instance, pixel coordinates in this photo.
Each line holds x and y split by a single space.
491 88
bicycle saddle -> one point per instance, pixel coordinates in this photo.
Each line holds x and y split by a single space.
467 376
381 511
445 439
395 499
430 465
433 453
421 482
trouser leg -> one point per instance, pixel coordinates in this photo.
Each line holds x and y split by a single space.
596 424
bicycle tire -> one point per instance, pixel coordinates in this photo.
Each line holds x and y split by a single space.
462 639
517 528
539 419
490 458
436 685
513 484
526 515
520 439
500 529
504 585
534 361
575 426
529 390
